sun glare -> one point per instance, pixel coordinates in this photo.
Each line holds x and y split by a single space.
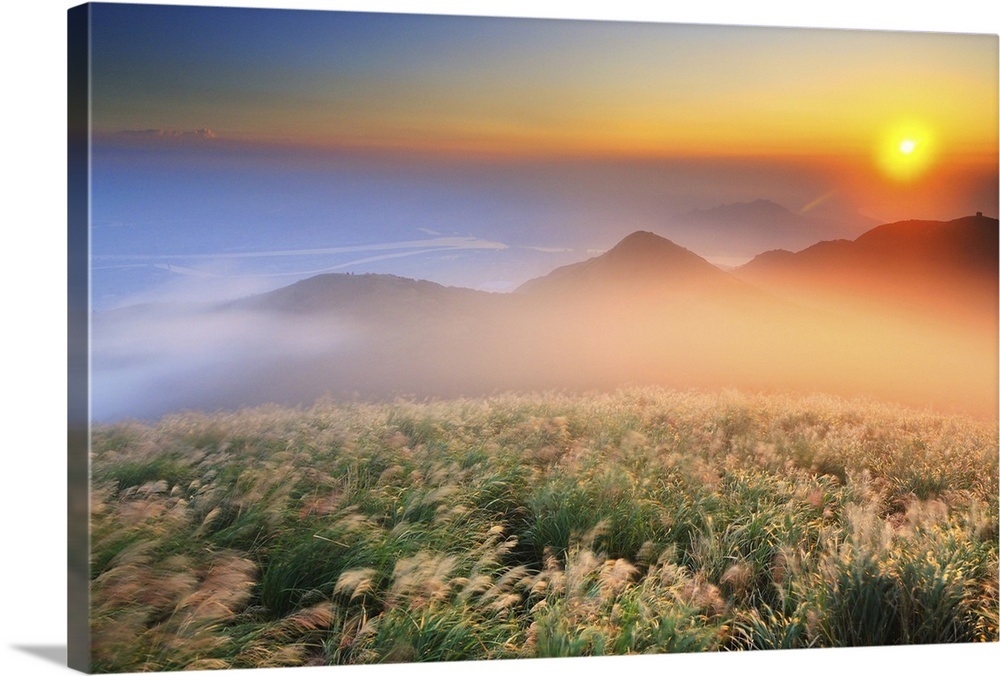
904 153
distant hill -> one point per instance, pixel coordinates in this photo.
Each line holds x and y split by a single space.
365 295
965 246
944 265
642 262
962 246
746 228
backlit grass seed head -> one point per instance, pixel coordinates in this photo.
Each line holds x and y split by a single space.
472 586
815 498
310 619
420 580
615 576
646 554
924 514
539 586
581 564
867 531
132 513
208 664
352 521
671 574
225 588
781 565
633 441
504 584
702 595
152 488
356 582
148 589
285 656
504 602
321 505
737 577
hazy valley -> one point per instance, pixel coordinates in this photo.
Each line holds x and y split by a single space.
906 312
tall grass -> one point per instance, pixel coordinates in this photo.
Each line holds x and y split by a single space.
529 526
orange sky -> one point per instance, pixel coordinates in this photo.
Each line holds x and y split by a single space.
838 102
534 86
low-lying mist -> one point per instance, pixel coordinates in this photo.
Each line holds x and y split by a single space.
149 360
374 337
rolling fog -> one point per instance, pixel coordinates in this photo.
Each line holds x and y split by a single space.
146 362
191 250
430 342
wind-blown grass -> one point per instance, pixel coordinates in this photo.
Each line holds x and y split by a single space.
530 526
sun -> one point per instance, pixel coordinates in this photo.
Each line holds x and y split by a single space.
904 153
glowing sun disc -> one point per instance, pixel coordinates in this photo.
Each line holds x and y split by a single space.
905 151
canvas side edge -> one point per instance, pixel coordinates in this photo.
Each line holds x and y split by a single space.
78 338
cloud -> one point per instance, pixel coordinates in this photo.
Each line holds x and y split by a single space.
227 275
550 249
437 243
184 270
205 133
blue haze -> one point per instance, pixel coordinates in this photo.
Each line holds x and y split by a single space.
208 211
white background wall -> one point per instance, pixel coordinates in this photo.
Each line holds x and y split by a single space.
33 279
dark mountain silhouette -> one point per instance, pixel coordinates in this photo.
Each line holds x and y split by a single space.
963 246
366 295
949 266
746 228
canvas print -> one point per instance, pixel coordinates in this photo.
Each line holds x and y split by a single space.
400 338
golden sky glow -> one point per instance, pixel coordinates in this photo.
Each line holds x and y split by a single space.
838 103
531 86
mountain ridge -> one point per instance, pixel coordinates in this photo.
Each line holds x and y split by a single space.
914 254
747 228
961 247
647 311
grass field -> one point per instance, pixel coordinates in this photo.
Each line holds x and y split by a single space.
549 525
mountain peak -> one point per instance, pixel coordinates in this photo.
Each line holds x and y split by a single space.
767 204
642 258
643 242
640 237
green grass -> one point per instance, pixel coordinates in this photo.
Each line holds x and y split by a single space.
530 526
